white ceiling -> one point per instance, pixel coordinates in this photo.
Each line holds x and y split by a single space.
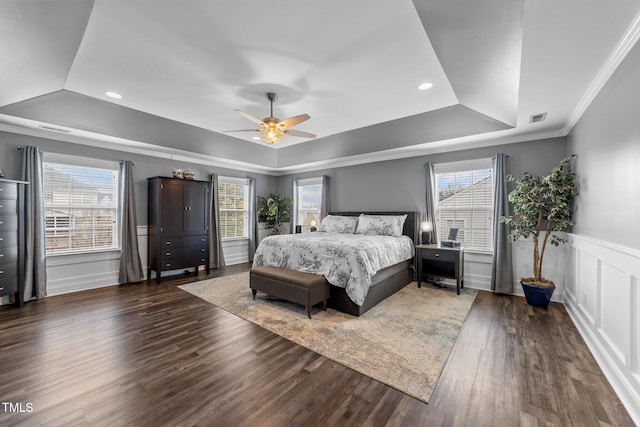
348 64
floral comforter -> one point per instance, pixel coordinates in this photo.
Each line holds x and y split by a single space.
346 260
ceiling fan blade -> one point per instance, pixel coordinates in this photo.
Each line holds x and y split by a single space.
250 117
292 121
300 133
242 130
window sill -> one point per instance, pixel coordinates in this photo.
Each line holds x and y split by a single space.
235 239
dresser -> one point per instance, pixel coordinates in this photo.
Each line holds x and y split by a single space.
178 221
11 239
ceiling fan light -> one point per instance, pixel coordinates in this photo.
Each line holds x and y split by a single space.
271 134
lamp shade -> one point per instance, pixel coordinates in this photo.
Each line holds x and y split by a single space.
313 223
426 226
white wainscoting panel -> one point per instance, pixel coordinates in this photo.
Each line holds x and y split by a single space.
235 251
80 272
603 300
553 266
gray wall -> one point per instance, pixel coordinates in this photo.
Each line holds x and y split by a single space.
399 184
145 166
607 142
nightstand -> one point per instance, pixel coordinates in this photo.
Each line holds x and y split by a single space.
438 261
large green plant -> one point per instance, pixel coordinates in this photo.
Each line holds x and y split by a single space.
541 205
273 211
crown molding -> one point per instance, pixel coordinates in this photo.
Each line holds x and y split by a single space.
508 136
620 52
25 127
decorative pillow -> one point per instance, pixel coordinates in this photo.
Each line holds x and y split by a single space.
381 225
338 224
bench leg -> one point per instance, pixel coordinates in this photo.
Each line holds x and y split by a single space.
254 292
324 305
309 311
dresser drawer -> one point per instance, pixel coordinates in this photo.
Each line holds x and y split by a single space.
182 242
8 254
184 262
8 286
9 270
8 190
439 255
173 253
8 206
8 238
8 222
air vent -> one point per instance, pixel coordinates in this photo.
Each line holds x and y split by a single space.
54 129
537 118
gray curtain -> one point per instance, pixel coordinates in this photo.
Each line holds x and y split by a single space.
130 265
35 261
324 203
294 206
253 218
501 270
216 256
430 185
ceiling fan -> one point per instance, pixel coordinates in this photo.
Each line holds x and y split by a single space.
272 130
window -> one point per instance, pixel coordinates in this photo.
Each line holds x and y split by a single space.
233 195
465 201
80 203
308 200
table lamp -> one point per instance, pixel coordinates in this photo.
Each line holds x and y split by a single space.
426 233
313 224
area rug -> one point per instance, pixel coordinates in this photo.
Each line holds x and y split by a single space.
403 342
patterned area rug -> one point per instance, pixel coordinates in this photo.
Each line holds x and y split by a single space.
403 342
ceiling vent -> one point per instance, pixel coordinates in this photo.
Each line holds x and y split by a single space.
535 118
54 129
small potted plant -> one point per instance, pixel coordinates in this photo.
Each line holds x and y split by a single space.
273 211
541 206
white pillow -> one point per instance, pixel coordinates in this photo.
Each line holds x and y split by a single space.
338 224
381 225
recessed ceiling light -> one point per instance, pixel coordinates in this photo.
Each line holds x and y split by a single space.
257 138
425 86
114 95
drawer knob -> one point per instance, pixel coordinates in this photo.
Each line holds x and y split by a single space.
437 254
1 271
168 253
168 265
203 240
168 243
1 289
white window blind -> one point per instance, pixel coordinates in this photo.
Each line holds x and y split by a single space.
465 202
308 202
81 204
233 195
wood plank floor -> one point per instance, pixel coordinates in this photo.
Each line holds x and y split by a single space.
154 355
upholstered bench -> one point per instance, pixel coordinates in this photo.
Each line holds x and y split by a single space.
294 286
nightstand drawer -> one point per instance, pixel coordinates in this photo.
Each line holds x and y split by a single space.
179 263
8 190
439 255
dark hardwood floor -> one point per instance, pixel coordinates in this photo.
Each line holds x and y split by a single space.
154 355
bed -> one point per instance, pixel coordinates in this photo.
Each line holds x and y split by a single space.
368 279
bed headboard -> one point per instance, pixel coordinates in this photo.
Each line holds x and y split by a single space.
411 226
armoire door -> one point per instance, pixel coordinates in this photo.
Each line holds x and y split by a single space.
198 208
173 207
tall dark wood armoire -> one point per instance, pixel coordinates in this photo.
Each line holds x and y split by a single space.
178 224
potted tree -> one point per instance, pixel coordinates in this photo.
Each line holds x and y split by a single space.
273 211
541 206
